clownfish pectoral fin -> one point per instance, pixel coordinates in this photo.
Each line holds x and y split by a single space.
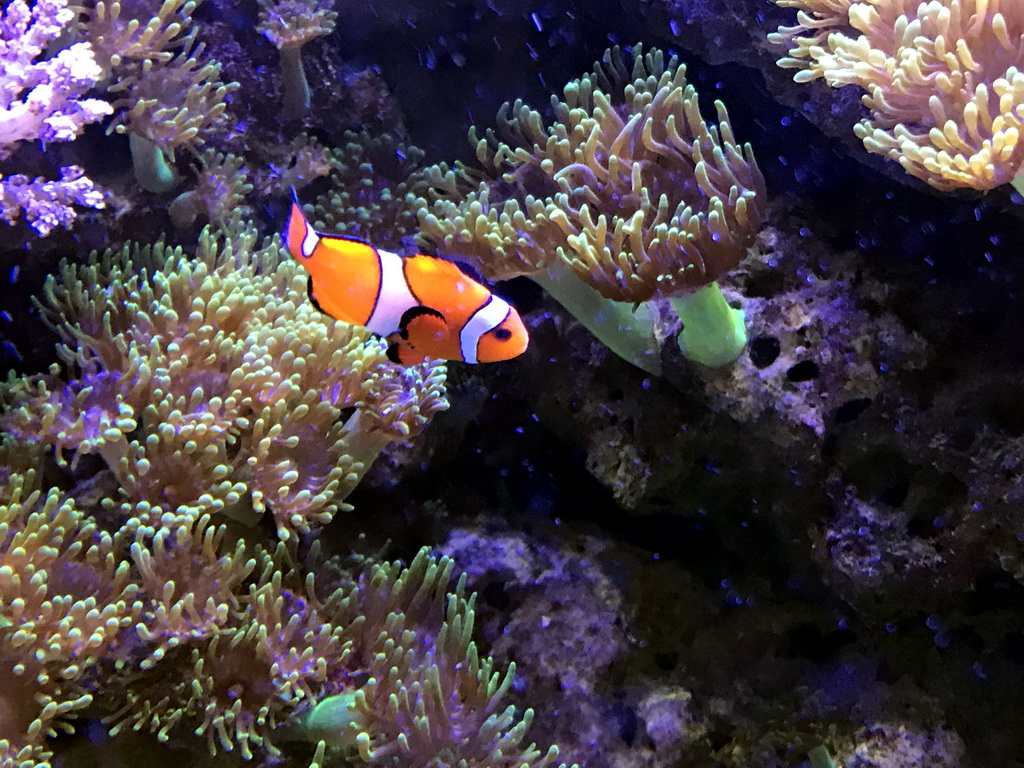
300 239
426 330
402 352
312 297
424 323
422 332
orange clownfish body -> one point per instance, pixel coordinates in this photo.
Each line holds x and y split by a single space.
424 306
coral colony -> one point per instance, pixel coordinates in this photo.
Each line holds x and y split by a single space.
752 496
43 99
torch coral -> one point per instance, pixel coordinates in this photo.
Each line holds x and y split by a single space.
31 706
629 188
944 80
167 100
218 195
233 646
18 460
373 180
290 24
235 692
307 160
123 31
423 695
190 584
254 659
60 584
169 104
213 385
41 99
233 687
644 198
64 599
384 665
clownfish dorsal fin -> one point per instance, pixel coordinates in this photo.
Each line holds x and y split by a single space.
300 237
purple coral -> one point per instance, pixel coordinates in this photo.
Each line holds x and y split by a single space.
47 204
41 99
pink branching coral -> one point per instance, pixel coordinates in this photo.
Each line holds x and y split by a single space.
166 100
47 204
42 99
944 80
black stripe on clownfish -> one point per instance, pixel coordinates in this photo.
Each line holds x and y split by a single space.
312 298
424 306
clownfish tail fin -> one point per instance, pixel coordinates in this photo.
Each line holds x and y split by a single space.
300 239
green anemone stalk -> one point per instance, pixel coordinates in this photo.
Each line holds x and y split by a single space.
152 170
296 93
714 333
626 330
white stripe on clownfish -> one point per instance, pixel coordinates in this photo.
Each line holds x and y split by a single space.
487 318
394 299
309 241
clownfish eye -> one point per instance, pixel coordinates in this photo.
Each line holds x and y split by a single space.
502 334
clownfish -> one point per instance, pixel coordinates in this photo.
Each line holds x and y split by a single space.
423 306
